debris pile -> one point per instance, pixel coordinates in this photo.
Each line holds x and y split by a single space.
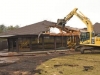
7 61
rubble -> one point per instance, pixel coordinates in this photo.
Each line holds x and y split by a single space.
9 54
7 61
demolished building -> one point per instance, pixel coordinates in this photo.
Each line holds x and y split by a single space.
40 36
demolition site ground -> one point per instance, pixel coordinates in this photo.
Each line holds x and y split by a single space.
53 63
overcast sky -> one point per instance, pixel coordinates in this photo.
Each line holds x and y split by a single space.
25 12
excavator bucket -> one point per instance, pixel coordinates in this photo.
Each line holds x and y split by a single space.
61 22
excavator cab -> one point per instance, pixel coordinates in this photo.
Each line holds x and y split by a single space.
84 36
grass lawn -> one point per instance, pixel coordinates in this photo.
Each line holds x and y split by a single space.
79 64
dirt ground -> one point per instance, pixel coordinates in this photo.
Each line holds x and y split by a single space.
76 64
26 65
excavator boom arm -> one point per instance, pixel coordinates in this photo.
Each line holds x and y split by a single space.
70 15
85 20
80 16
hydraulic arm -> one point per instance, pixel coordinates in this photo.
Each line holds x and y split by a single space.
80 16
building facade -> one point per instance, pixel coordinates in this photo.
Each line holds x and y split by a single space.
43 35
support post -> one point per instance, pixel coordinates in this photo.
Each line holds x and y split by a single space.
12 48
8 44
30 44
74 39
77 40
71 38
17 45
66 41
62 41
55 42
43 42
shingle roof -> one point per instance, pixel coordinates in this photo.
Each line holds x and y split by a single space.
96 27
33 29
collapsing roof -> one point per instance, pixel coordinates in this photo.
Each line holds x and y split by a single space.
36 29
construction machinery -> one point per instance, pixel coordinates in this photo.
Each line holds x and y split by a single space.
88 40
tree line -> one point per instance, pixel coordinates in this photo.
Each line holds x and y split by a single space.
4 28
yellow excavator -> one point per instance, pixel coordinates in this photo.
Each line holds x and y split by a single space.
88 39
